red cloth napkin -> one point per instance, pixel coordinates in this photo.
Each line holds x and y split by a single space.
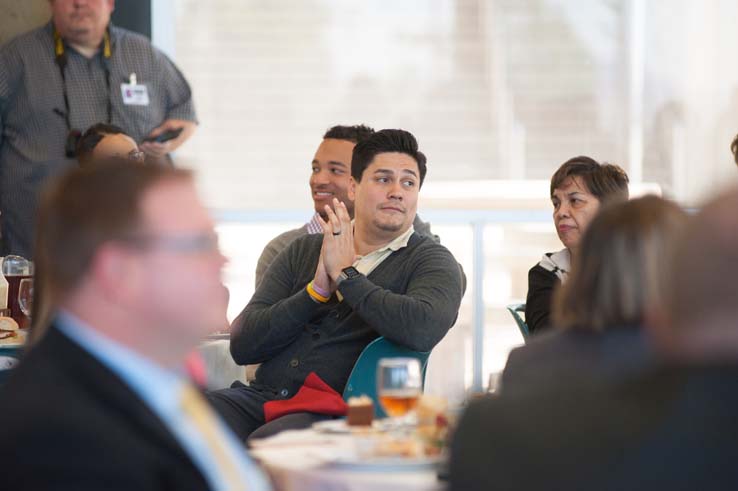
315 396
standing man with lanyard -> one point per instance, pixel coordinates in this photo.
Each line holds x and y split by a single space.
58 80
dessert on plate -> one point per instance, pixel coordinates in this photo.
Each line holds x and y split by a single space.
360 411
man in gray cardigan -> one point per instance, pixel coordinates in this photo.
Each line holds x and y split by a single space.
327 296
330 178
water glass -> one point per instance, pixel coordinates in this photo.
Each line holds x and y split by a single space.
25 296
399 385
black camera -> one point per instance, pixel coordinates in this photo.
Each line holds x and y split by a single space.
70 148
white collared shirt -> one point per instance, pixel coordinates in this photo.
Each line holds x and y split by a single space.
367 264
160 390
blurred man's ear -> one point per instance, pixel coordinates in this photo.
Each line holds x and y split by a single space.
117 272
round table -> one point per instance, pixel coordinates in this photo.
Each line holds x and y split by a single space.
305 460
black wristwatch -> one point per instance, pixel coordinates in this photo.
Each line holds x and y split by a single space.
347 274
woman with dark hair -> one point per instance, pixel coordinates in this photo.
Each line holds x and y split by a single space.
617 280
578 189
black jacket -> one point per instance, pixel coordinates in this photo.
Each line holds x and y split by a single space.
671 428
580 356
541 284
69 423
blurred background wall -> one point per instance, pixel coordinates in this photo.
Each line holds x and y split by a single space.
494 89
498 92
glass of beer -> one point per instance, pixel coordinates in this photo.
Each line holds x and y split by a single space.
399 385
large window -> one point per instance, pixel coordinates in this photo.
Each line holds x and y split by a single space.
493 89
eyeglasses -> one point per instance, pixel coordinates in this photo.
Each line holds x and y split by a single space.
206 242
136 155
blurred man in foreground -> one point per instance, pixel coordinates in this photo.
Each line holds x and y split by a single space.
100 143
670 427
133 259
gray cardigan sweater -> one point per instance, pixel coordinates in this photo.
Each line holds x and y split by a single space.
411 298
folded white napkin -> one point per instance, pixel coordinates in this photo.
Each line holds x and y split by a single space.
302 449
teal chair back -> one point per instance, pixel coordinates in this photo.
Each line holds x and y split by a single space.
363 378
516 310
9 358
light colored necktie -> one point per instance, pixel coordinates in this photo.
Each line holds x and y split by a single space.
204 419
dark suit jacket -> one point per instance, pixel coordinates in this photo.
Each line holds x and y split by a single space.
69 423
541 285
671 428
577 357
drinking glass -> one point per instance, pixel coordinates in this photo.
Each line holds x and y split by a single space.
15 268
25 296
399 384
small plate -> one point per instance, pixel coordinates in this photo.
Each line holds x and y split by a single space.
390 464
341 426
14 342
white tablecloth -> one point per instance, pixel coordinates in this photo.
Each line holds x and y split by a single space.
304 460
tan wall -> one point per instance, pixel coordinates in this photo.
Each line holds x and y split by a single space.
17 16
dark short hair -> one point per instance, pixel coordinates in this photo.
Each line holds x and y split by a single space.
87 207
354 134
386 141
605 181
94 134
734 149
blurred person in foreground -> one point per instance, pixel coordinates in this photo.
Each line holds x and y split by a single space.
100 402
734 149
672 427
101 143
618 277
330 178
578 188
326 297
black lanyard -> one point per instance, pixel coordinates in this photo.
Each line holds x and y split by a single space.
61 61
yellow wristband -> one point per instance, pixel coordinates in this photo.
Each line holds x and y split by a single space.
315 295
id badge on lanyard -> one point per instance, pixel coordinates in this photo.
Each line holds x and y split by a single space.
133 93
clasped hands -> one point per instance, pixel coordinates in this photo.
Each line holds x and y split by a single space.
338 250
